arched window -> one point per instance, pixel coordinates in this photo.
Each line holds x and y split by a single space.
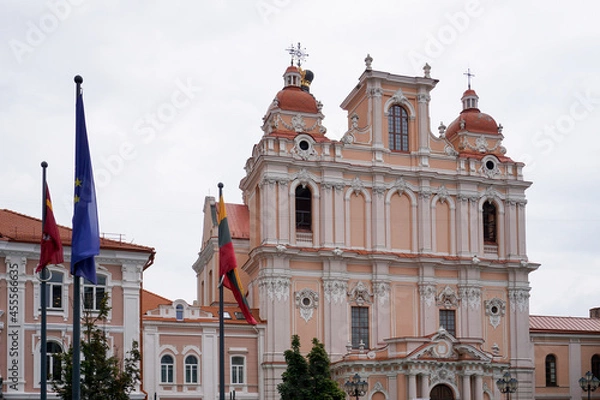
596 365
191 369
398 128
166 369
303 209
53 363
237 370
179 312
551 370
489 223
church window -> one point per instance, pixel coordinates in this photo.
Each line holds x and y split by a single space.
303 209
179 312
448 321
398 128
551 370
596 365
360 327
489 222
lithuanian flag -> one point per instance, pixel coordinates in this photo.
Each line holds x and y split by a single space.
228 263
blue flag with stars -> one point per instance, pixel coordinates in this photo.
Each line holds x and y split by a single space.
85 243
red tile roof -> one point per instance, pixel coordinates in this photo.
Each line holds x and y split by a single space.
238 218
16 227
538 323
151 301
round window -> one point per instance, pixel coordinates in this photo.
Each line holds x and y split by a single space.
306 301
489 164
303 145
494 310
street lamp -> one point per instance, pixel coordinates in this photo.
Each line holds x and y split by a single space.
355 387
589 383
507 385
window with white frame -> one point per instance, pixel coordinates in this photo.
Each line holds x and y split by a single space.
179 312
191 369
54 291
238 370
93 294
166 369
53 363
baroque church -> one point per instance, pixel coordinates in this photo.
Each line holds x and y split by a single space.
401 248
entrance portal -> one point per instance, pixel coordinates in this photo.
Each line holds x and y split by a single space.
441 392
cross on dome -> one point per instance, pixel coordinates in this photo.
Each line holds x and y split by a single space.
298 54
469 75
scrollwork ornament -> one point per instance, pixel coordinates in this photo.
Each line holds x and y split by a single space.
275 288
427 293
360 294
307 301
519 298
334 290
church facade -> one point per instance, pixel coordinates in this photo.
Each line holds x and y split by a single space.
401 249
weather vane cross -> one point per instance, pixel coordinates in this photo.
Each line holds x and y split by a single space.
298 54
469 75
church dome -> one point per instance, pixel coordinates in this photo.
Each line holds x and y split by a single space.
471 119
295 96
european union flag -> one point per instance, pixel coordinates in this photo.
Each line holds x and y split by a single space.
85 243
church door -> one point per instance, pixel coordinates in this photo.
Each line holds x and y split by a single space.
441 392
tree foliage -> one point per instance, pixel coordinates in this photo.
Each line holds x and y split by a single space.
102 377
304 380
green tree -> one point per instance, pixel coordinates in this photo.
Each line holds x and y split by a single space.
324 388
296 379
308 380
102 377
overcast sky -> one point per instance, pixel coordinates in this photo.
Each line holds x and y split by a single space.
175 92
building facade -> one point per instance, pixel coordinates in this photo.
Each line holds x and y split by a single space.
119 273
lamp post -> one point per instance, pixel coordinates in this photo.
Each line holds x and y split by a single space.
507 385
589 383
355 387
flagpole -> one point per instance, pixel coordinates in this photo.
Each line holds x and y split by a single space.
76 375
43 291
221 328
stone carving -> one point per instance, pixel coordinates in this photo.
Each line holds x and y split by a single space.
442 129
400 185
382 290
398 97
427 293
357 186
334 290
368 61
443 194
495 309
427 70
442 374
307 301
275 288
360 294
298 123
299 154
447 298
519 298
470 297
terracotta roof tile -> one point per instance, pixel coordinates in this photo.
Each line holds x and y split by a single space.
151 301
538 323
16 227
238 218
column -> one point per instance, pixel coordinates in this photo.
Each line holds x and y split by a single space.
466 387
425 386
412 386
478 387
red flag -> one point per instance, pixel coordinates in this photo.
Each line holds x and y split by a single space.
228 264
51 251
